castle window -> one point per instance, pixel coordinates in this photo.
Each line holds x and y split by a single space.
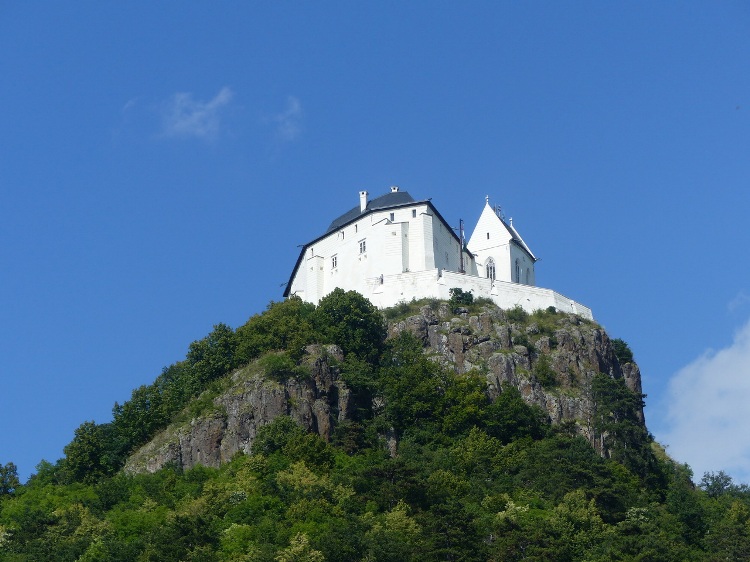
334 262
362 246
393 217
490 267
414 213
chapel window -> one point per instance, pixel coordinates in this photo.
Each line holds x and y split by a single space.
393 217
414 213
334 262
490 267
518 272
362 246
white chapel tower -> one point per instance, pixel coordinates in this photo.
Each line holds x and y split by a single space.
500 252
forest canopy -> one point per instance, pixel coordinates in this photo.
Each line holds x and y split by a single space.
474 477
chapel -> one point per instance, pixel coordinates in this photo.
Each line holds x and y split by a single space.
394 248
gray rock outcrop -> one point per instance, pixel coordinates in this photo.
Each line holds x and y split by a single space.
550 359
252 400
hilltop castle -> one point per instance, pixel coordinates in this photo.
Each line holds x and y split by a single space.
394 248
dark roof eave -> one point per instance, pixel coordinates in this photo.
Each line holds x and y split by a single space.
521 245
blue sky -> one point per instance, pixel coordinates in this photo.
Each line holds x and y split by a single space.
161 162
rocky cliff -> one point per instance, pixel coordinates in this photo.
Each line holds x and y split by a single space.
550 357
563 347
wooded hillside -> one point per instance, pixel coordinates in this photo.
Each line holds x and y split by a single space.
455 431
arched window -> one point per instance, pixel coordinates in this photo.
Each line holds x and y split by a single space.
518 272
528 275
490 268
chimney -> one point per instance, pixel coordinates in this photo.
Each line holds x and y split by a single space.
362 201
394 188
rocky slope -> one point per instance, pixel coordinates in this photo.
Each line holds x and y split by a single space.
512 352
550 357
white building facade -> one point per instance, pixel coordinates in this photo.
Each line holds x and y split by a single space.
395 248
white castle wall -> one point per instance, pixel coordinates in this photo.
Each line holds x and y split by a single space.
434 284
411 254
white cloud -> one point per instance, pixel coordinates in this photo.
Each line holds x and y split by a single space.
708 418
740 300
130 104
184 116
288 125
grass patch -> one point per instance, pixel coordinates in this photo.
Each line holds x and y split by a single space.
404 310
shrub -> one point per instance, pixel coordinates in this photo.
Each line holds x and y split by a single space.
280 366
277 435
517 314
544 372
622 351
400 309
459 297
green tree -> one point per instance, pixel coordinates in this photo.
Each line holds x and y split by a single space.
616 423
360 377
729 538
9 481
286 325
299 550
139 418
622 351
393 535
86 456
349 320
510 417
685 505
466 404
412 386
277 435
717 484
213 356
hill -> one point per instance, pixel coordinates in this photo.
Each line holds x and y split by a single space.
558 362
449 431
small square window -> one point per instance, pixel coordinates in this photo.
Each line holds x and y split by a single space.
362 246
414 213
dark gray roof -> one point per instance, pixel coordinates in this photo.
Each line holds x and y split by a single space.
517 238
392 199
